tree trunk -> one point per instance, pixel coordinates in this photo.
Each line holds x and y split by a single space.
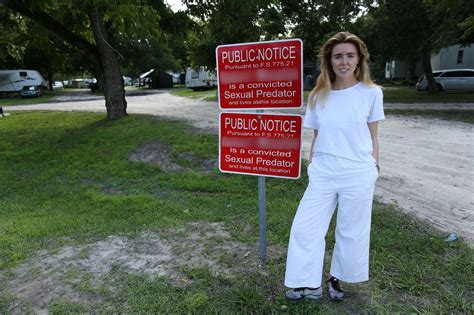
113 82
103 54
99 75
411 66
426 59
50 81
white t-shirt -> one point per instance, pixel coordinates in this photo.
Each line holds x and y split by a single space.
342 122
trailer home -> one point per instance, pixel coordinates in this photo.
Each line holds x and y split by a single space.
15 80
201 79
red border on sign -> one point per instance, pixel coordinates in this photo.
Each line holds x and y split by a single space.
260 75
279 143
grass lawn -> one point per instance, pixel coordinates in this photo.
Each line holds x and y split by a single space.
410 95
208 95
66 181
391 95
15 99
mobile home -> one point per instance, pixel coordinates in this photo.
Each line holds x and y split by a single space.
201 79
452 57
15 80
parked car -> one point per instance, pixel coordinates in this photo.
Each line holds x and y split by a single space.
30 91
450 80
89 82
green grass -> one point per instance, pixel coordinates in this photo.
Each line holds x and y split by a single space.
410 95
15 99
208 95
392 94
464 115
56 169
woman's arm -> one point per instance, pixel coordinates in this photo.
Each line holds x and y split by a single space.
312 145
373 126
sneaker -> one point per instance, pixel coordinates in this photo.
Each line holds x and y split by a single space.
304 293
334 290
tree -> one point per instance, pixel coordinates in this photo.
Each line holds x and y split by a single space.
452 21
101 53
156 42
25 45
411 30
12 30
400 28
228 22
93 27
175 27
315 21
402 31
41 43
111 74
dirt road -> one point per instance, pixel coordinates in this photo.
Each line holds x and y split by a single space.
427 164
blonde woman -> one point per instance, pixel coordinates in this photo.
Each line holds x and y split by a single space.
343 109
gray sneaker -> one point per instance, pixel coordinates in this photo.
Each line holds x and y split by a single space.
334 290
304 293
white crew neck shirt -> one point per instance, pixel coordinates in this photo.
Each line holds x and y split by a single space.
342 122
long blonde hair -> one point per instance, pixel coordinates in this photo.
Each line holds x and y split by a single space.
327 76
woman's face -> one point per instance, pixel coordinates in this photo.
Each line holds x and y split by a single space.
344 60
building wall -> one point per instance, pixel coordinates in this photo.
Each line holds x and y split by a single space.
447 58
396 69
454 57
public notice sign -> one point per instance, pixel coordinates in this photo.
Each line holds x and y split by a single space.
260 144
260 75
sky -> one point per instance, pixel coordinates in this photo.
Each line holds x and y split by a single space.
176 5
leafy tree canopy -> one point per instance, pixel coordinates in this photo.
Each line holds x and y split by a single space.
230 21
315 21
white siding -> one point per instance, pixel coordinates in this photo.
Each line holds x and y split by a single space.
447 58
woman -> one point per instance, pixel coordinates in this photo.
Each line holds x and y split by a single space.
344 109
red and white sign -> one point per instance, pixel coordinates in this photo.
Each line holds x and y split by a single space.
260 144
260 75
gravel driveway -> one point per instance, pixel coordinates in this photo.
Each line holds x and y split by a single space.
427 164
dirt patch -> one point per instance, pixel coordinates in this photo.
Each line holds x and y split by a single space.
112 191
202 164
50 276
158 153
427 171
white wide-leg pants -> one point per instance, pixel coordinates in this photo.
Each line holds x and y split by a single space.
353 192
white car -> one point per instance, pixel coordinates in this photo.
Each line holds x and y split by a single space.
451 80
30 91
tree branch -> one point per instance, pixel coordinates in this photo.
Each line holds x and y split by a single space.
41 17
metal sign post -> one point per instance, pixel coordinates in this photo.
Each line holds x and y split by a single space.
262 219
263 145
262 216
